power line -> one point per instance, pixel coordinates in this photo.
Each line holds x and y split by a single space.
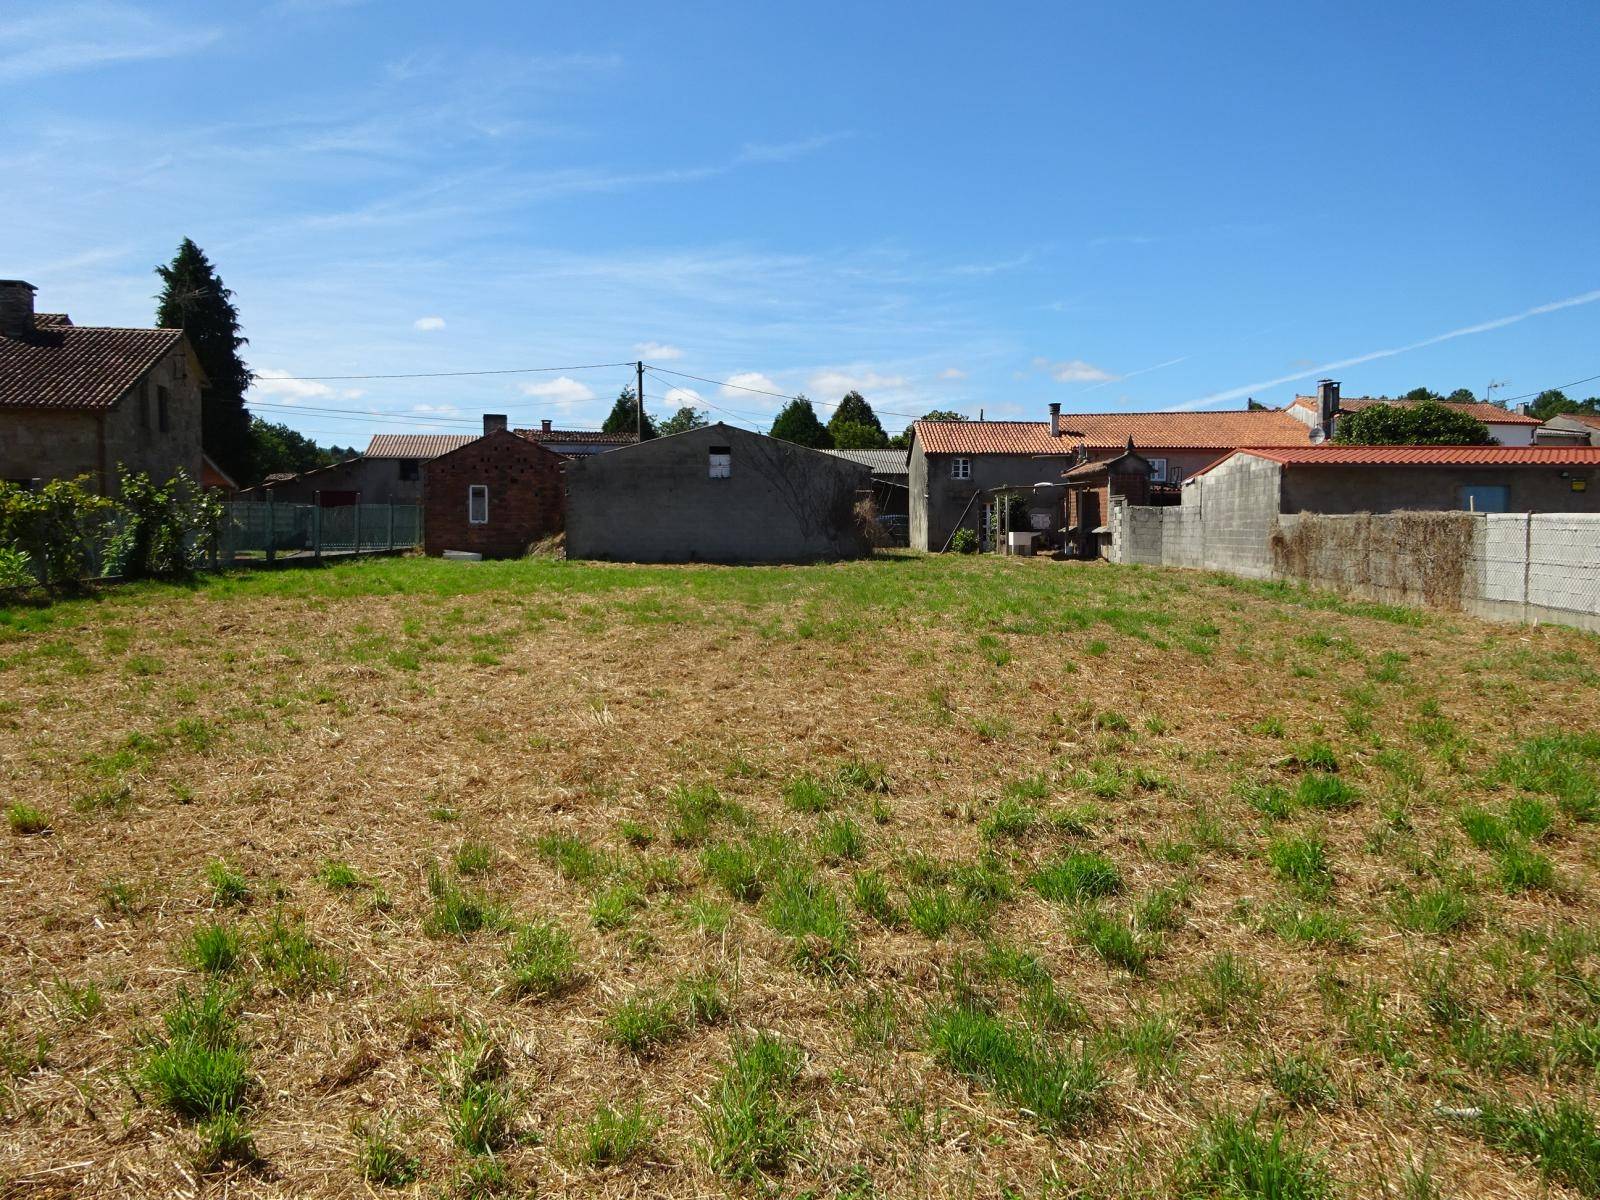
1557 388
452 374
778 395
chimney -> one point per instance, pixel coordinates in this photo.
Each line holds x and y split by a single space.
1327 403
493 423
16 308
544 425
1055 419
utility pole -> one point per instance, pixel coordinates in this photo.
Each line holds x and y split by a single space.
638 411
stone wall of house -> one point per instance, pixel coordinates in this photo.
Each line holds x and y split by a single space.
526 500
50 444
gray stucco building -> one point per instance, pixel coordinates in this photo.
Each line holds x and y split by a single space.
716 494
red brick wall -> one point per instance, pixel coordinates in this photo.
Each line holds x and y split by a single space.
526 496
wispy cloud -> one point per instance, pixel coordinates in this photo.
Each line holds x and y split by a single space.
79 37
428 324
1073 370
829 384
747 379
952 373
275 384
561 390
681 397
775 152
1249 389
997 267
659 351
1171 362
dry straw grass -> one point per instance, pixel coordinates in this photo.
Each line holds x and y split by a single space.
404 767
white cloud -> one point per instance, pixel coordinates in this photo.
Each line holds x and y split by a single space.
75 37
560 390
748 379
829 384
279 387
436 410
679 397
428 324
952 373
1074 370
657 350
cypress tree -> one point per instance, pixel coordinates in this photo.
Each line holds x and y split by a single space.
854 426
624 415
797 423
194 300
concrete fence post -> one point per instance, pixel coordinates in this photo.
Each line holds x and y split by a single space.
391 526
1527 562
358 523
272 528
316 531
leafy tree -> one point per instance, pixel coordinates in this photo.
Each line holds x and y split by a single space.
685 419
625 417
1418 395
854 426
1461 396
797 422
276 448
1422 423
1554 403
194 300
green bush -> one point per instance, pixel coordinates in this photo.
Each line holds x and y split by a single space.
164 529
47 536
964 541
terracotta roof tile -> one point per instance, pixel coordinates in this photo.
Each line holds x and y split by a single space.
1333 454
1111 431
416 445
1484 412
581 437
78 366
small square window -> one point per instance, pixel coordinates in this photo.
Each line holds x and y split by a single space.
1158 470
477 504
960 468
721 462
409 472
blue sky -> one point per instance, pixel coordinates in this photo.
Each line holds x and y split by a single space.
978 207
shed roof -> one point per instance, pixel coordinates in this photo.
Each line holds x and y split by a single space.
59 365
1111 431
1333 454
881 462
416 445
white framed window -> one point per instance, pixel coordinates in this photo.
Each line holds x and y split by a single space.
478 504
960 468
1158 470
721 463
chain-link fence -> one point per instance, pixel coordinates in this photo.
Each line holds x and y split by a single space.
267 532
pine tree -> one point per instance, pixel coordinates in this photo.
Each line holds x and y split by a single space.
194 300
854 426
797 423
686 418
625 418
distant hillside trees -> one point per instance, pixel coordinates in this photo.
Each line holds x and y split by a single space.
277 449
1424 422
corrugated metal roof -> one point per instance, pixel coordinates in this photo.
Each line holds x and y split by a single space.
1107 431
1333 454
881 462
62 366
417 445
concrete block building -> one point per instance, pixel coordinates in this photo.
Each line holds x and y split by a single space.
86 400
716 494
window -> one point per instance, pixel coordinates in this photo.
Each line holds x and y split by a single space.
960 468
1158 470
161 409
721 462
477 504
409 470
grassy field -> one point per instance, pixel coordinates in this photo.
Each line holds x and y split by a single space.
914 877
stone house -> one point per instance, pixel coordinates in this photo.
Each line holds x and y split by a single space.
1324 410
715 494
84 400
495 496
957 468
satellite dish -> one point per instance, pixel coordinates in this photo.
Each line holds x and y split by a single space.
1318 436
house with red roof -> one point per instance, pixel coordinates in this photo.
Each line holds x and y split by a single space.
1324 410
84 400
958 470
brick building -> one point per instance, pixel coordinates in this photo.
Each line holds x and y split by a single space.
84 400
494 496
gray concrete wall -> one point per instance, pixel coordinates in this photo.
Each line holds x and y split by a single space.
377 479
657 502
1342 489
1223 524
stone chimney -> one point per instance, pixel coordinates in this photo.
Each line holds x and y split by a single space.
1055 419
544 425
1327 403
16 308
493 423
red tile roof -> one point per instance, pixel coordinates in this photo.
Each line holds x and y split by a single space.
584 437
1585 418
1487 413
1333 454
1111 431
416 445
64 366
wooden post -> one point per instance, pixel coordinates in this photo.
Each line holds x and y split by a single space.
638 408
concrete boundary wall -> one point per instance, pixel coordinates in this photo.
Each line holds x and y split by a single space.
1526 567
